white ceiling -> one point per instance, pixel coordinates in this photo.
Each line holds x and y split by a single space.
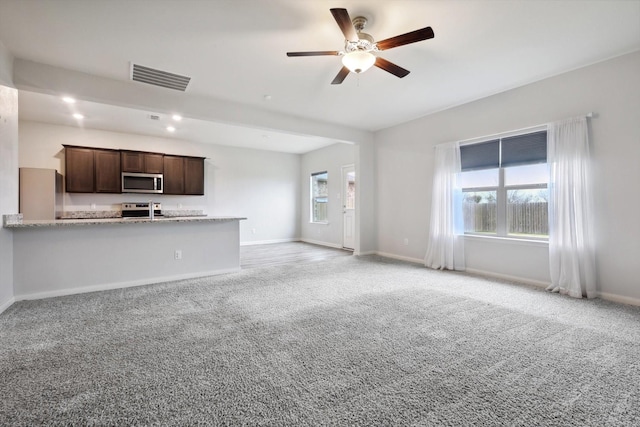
52 109
234 50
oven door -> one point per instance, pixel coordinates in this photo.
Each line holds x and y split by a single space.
141 183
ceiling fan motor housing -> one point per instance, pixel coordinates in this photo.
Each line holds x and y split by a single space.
365 41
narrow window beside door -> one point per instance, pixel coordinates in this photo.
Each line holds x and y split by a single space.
319 197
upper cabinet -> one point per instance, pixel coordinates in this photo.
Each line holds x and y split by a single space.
138 161
184 175
98 170
153 163
107 171
79 169
91 170
173 175
194 176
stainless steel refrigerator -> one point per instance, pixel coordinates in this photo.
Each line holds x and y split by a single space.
41 194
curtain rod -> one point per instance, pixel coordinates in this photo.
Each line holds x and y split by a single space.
515 131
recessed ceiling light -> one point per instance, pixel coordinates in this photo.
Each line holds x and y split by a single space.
171 129
69 100
176 117
78 116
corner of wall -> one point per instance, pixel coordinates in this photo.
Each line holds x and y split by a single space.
6 66
8 172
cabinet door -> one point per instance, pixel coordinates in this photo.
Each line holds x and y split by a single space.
194 176
107 171
79 171
132 161
173 174
153 163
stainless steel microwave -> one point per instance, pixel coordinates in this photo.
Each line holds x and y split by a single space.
142 182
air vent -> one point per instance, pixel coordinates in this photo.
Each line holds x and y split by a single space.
154 77
154 117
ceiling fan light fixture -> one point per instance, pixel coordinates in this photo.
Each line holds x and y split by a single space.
358 61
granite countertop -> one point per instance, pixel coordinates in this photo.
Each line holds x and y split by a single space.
15 221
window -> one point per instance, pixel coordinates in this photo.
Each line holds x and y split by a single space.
504 184
319 197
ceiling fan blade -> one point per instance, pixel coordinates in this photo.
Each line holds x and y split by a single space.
314 53
342 74
344 22
401 40
390 67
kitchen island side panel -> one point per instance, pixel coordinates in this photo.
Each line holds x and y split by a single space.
52 261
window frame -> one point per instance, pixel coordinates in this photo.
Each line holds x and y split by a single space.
502 225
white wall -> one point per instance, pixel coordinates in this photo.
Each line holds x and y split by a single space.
611 89
8 172
366 189
6 66
330 159
260 185
53 261
42 78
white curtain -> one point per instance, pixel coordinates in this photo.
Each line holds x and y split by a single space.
571 237
446 243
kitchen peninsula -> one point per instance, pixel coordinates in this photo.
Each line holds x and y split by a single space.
62 257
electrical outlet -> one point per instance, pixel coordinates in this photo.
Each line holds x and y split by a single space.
406 241
177 254
93 206
253 231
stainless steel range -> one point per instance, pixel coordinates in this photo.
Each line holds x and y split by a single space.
141 209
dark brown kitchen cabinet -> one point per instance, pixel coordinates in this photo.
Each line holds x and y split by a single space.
79 169
132 161
139 161
184 175
107 171
91 170
194 176
153 163
99 170
173 174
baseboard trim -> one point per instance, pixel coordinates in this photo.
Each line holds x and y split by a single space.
268 242
7 304
400 257
619 299
317 242
122 285
532 282
365 253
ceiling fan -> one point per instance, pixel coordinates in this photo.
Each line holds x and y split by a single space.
358 51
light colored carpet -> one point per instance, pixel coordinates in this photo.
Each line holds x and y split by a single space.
348 341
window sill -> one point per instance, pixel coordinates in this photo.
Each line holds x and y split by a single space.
507 240
319 223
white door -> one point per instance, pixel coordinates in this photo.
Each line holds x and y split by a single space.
349 206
